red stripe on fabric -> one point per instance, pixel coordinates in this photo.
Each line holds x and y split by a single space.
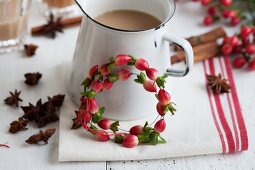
231 110
240 120
213 113
228 133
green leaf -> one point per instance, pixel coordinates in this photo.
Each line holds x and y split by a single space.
110 66
132 62
86 82
101 110
93 127
142 76
138 81
164 76
96 118
89 94
144 138
160 82
118 138
154 138
146 124
114 126
113 78
161 140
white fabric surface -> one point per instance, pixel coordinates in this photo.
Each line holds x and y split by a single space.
192 131
53 53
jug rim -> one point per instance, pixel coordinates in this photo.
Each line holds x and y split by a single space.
169 17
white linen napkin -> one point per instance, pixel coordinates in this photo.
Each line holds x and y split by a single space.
204 123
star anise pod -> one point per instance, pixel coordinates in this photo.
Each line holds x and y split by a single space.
32 112
76 122
48 118
57 100
41 136
13 99
51 28
32 78
30 49
218 84
18 125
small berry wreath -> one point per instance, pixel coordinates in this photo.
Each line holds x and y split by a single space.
102 78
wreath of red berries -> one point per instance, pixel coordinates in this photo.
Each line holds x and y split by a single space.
102 78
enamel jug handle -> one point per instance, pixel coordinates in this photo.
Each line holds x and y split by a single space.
189 55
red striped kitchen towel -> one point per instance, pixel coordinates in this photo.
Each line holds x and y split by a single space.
232 132
205 123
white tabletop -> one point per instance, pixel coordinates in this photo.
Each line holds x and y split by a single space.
54 52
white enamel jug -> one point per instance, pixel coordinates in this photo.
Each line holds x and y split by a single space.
97 43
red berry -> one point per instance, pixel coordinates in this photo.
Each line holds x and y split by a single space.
238 49
150 86
205 2
141 64
250 49
122 59
245 31
245 40
152 73
160 126
226 40
226 49
104 124
208 20
239 62
102 136
103 70
212 10
107 84
225 14
251 65
253 31
93 70
130 141
93 106
235 21
85 115
226 2
136 130
161 109
234 41
164 97
96 86
124 74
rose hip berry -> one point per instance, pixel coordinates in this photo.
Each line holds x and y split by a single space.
122 60
141 64
164 97
136 130
102 136
239 62
96 86
250 49
124 74
161 109
208 20
226 49
160 126
130 141
152 73
104 124
251 65
150 86
107 84
93 106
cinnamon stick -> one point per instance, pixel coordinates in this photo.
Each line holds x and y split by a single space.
201 52
67 22
207 37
